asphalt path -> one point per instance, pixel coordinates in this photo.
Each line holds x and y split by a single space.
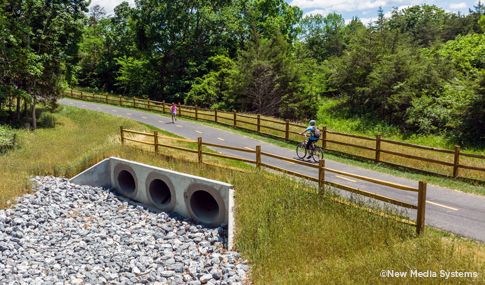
450 210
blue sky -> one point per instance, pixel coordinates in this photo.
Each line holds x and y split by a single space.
366 10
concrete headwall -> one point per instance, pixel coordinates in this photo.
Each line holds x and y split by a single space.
208 202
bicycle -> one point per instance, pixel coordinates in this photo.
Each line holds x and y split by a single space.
301 150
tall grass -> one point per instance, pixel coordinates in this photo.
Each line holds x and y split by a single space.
296 237
289 235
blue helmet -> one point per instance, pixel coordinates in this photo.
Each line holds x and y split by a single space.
312 122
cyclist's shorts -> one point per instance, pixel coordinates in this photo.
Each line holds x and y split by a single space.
311 141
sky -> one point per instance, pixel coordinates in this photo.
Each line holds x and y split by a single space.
365 10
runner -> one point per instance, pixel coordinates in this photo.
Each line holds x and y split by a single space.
173 110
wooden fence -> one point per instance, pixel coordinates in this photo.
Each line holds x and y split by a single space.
412 156
421 207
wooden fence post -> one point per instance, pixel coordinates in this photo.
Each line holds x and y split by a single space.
180 110
287 133
121 101
324 138
378 148
134 102
71 93
457 161
215 115
235 116
321 176
94 100
163 106
155 140
421 207
259 123
81 95
122 138
106 98
199 148
196 116
148 104
258 157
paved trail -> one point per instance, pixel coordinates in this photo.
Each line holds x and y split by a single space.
449 210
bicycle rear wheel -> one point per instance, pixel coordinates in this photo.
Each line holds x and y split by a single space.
317 154
301 150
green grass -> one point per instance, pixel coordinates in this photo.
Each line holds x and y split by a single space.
289 234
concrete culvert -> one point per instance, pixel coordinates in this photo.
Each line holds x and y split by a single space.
126 181
160 193
204 206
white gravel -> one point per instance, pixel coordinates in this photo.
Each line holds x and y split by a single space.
71 234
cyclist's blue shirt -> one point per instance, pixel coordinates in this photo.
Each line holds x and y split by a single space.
311 137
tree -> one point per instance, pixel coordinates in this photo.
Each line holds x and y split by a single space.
482 23
96 13
275 16
469 113
103 45
46 42
467 54
474 17
326 36
136 76
212 88
268 78
382 73
425 23
14 60
179 36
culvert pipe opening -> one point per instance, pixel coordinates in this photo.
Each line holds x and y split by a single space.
204 206
126 182
160 193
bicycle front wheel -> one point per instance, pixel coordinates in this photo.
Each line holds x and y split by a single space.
317 154
301 150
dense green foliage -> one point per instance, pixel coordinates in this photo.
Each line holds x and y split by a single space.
421 70
38 47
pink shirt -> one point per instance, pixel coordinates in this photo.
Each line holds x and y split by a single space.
173 109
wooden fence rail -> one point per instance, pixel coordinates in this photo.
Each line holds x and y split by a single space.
321 171
290 131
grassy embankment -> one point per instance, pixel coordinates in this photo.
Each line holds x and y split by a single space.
337 121
76 140
289 235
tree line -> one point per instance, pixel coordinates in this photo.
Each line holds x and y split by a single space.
38 50
421 69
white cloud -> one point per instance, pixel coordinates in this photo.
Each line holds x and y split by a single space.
367 21
461 5
400 8
109 5
318 11
348 5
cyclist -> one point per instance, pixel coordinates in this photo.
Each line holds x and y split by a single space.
312 139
